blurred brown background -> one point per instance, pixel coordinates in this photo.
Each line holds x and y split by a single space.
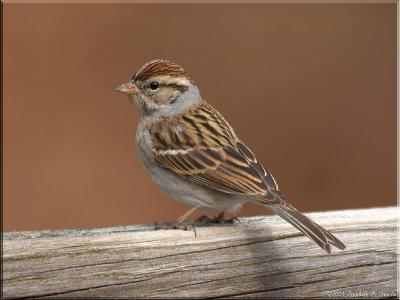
310 87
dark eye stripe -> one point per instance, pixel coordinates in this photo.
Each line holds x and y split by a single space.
153 86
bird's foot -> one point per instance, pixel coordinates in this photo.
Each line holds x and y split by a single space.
204 220
220 219
228 221
173 225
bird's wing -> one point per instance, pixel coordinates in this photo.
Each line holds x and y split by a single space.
201 146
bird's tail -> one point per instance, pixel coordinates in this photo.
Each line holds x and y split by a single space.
318 234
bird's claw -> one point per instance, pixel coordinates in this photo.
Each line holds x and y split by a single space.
180 226
217 220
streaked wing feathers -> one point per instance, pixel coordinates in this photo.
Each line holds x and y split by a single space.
267 176
201 146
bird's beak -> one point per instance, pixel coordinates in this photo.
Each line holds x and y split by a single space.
128 88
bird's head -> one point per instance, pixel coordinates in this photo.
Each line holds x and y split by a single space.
161 88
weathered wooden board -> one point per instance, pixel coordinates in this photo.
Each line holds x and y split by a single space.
258 257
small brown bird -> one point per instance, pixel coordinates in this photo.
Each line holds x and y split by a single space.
193 155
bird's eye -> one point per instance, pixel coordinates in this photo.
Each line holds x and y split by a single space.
154 85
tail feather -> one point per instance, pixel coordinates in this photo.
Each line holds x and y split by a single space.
319 235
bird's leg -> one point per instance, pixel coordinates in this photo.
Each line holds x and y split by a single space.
178 224
186 215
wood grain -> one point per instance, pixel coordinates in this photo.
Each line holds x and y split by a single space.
258 257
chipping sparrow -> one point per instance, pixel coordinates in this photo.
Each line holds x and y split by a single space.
194 156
